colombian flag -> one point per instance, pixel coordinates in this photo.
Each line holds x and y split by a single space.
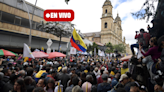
77 42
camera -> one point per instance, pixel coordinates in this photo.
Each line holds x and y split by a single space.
159 78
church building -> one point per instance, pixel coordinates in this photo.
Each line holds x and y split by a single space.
111 29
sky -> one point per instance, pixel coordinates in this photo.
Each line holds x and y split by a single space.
88 14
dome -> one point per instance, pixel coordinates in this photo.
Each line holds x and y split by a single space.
117 18
107 2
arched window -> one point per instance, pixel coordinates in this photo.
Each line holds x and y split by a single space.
105 25
106 11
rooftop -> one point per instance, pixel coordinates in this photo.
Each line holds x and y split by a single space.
94 34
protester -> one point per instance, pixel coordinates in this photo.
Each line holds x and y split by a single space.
41 83
143 39
104 87
123 80
19 86
91 74
134 87
86 86
50 86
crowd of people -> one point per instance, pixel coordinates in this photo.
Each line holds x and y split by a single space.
144 72
93 74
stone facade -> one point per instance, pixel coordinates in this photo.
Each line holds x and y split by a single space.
111 30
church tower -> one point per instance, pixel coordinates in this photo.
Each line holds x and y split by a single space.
118 27
106 22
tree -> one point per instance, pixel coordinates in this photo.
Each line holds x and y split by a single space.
109 48
56 29
91 47
120 48
147 10
95 46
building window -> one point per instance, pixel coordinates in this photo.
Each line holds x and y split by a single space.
33 25
92 39
0 15
105 25
25 23
8 17
17 20
106 11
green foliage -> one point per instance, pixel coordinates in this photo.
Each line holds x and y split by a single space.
109 48
147 10
91 47
120 48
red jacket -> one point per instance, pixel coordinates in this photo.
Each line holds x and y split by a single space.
99 80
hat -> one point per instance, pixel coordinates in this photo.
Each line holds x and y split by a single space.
104 76
123 76
59 68
135 84
85 71
143 88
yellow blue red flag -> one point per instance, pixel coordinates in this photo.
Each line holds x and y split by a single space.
77 42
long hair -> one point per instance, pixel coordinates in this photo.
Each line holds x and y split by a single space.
22 84
50 81
72 76
154 40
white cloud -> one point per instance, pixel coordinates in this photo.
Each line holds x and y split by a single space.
89 12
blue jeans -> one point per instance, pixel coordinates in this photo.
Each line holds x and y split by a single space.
132 47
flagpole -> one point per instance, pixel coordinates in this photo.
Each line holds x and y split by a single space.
69 42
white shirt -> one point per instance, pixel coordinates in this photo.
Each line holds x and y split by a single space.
56 88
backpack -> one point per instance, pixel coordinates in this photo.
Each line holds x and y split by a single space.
144 39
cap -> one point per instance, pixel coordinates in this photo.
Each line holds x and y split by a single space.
123 76
59 68
135 84
104 76
85 71
143 88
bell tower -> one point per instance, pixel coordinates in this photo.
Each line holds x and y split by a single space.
106 21
107 18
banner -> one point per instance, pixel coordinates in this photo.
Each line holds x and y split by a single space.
101 53
72 50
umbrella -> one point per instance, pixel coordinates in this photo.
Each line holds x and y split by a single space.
126 58
39 54
56 54
7 53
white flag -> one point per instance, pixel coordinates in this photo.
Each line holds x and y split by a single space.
139 55
99 52
72 50
27 52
